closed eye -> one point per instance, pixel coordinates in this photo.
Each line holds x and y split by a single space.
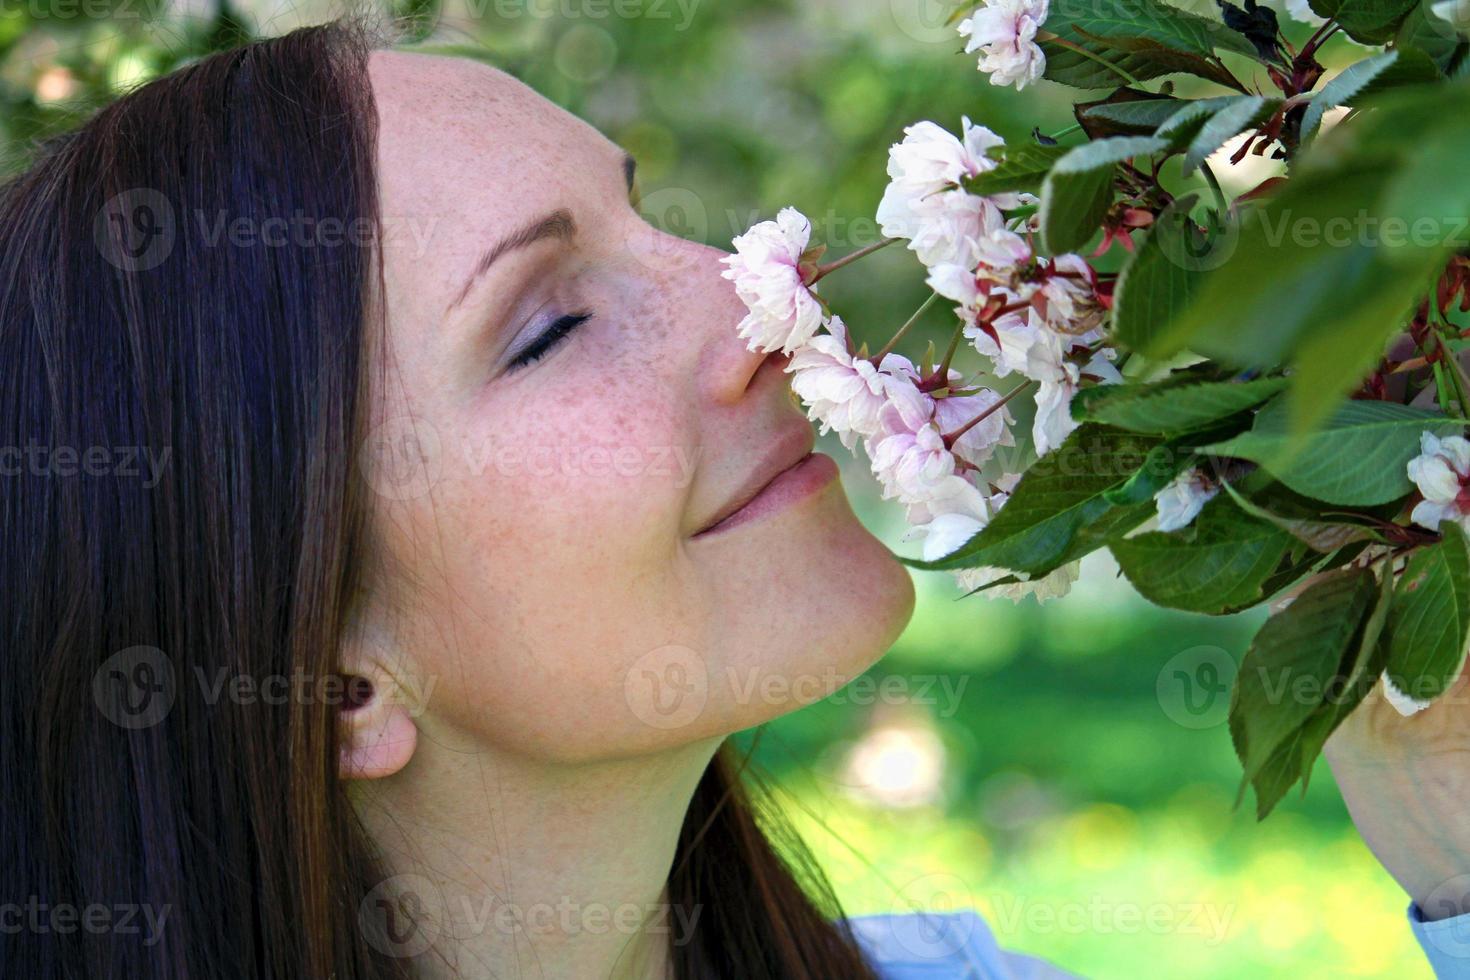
559 330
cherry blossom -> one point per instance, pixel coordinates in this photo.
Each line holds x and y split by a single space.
1441 473
926 204
766 268
956 512
1053 421
1182 500
911 462
932 159
1008 340
977 443
1053 585
960 494
955 516
1060 378
843 392
1004 32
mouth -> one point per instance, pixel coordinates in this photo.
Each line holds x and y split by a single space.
773 487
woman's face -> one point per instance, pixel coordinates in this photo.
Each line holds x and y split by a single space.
562 414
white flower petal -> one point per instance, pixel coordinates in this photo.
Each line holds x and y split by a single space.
1004 32
784 314
1053 422
1182 500
1404 704
1440 473
979 441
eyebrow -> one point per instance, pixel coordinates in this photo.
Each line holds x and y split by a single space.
559 224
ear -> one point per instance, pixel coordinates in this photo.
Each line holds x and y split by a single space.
378 734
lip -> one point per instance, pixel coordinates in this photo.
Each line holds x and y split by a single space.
790 472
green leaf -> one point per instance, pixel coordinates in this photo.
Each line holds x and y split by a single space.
1215 565
1168 408
1131 20
1366 21
1362 79
1429 626
1301 561
1430 188
1058 510
1358 457
1425 31
1161 59
1276 776
1323 273
1157 283
1284 280
1135 117
1021 168
1142 38
1183 126
1162 464
1245 112
1295 516
1099 67
1077 192
1355 678
1287 674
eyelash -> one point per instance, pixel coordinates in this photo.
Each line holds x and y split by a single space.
555 334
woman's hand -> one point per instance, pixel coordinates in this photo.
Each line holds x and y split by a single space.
1406 781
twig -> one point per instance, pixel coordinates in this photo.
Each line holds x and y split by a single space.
950 437
893 341
833 266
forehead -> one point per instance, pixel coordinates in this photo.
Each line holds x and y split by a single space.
469 151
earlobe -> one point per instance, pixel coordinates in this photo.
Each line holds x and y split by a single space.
376 727
378 737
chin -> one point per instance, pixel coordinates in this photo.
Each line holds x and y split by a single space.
825 600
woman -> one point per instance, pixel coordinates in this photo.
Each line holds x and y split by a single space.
466 523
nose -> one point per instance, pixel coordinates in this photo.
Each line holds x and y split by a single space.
727 370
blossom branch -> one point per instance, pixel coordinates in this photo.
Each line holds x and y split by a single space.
821 271
951 437
877 358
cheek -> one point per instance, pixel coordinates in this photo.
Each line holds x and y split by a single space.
557 525
601 468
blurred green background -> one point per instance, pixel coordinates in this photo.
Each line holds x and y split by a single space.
1064 768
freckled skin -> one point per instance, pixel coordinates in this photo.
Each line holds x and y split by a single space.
526 592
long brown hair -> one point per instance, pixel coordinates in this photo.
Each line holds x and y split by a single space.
179 423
